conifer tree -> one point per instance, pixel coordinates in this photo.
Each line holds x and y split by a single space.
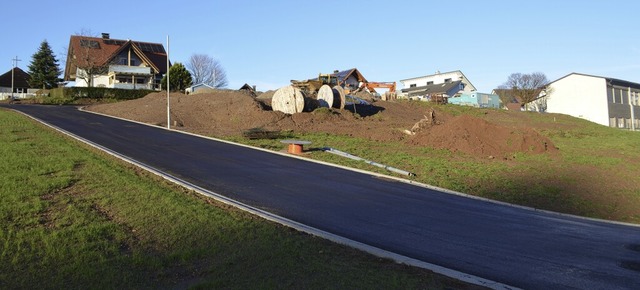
179 78
44 70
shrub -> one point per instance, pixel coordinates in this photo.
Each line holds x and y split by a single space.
75 95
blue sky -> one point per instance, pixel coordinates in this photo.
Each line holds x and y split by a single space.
268 43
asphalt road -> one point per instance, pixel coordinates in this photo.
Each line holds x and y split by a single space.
523 248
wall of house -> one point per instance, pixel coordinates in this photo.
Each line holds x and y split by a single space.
580 96
101 81
476 99
351 82
439 79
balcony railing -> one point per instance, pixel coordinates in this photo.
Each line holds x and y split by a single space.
134 70
130 86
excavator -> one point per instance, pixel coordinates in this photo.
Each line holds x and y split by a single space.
387 96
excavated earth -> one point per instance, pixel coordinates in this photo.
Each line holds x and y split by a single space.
230 113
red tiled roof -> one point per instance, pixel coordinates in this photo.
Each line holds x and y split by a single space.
100 51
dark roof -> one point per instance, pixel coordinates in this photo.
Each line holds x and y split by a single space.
246 87
433 89
103 50
20 79
343 75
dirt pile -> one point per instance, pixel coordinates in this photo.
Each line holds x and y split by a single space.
476 136
230 113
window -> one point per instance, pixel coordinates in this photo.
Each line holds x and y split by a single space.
610 97
123 61
617 96
124 80
635 98
132 62
447 80
412 85
139 81
429 83
89 43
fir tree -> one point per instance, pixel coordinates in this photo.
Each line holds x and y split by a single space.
179 78
44 68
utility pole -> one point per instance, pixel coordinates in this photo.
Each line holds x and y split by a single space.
168 106
15 64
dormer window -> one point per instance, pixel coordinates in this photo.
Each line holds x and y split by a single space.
447 80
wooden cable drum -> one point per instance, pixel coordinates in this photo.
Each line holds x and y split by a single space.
338 97
310 104
325 96
288 100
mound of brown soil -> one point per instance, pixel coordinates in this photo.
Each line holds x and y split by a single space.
230 113
476 136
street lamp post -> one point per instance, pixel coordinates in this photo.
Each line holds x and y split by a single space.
168 108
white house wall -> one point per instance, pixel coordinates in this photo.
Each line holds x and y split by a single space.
439 79
580 96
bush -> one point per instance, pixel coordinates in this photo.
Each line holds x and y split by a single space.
75 95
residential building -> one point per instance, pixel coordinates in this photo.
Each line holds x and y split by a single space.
18 80
440 92
419 86
475 99
115 63
200 88
606 101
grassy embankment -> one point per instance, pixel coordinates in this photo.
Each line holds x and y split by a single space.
74 218
596 172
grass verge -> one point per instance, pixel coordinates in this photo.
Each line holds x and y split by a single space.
71 218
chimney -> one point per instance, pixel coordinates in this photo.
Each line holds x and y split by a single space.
105 35
336 71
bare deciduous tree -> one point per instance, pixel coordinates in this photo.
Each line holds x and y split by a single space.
80 56
525 88
207 70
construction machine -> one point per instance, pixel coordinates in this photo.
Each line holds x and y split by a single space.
387 96
311 86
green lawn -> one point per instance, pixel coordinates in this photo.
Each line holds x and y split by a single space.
72 218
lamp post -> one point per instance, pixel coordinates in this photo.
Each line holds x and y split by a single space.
168 108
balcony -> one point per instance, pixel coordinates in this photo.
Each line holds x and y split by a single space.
129 70
130 86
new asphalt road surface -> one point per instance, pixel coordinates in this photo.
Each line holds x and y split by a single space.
511 245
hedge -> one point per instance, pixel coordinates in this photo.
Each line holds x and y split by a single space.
78 94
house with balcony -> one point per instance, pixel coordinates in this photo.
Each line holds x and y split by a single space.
114 63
